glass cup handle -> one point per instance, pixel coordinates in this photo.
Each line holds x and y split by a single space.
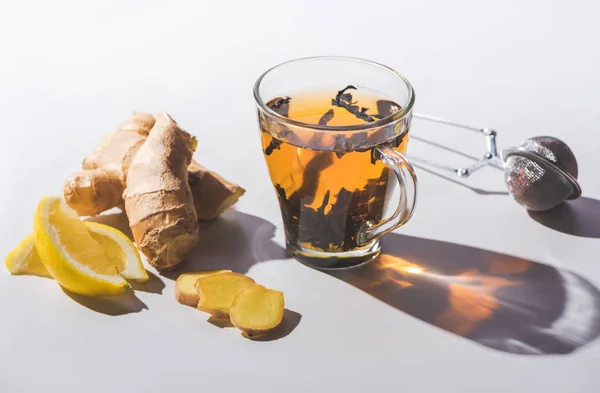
407 179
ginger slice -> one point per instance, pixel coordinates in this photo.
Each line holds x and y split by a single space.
185 287
257 310
217 292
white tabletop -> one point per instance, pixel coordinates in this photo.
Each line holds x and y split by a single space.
505 303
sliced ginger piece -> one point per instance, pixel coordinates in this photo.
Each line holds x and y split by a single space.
185 287
257 310
217 292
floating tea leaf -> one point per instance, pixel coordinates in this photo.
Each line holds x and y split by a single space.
284 133
344 100
341 146
274 145
326 118
398 140
310 181
321 209
360 141
316 140
280 105
387 108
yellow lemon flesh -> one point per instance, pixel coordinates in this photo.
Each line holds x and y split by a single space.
120 250
70 253
24 259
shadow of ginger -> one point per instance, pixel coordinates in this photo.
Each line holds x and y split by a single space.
235 241
499 301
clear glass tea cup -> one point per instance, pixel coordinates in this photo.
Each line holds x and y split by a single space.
334 132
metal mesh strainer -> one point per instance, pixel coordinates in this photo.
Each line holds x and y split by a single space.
540 173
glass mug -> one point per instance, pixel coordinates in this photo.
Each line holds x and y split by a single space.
334 132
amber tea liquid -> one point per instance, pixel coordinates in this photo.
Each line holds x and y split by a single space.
328 189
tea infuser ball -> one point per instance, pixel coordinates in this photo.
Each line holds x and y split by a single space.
541 173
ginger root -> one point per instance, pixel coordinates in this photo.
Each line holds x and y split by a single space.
164 196
212 193
91 192
100 185
257 310
217 292
158 199
185 291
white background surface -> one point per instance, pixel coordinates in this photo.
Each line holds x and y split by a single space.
70 72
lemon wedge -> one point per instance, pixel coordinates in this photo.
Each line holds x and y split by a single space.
24 259
70 253
120 250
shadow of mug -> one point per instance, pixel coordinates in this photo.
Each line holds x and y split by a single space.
496 300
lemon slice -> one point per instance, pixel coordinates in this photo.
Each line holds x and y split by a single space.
70 253
120 250
24 259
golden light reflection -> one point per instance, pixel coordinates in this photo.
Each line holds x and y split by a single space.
516 266
471 300
396 270
399 265
471 294
413 270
